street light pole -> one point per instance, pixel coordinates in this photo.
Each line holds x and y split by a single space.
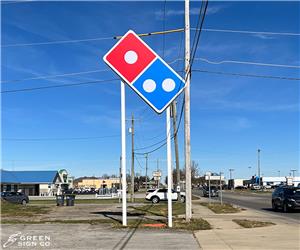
230 172
258 166
293 171
146 156
221 197
132 159
209 195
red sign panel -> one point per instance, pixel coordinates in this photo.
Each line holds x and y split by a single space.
129 57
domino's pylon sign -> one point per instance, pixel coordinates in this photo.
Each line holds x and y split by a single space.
144 71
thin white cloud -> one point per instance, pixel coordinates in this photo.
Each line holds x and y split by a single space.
264 37
193 11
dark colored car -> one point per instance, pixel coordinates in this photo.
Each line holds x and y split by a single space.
213 191
15 197
286 198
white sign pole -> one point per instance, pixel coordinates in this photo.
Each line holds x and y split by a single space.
123 143
169 164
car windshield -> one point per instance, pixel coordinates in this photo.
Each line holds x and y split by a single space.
295 192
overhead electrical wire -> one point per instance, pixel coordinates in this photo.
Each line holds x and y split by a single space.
59 138
150 34
251 32
65 74
247 63
57 75
171 62
57 86
248 75
88 39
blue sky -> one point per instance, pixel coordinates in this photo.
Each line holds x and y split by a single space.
231 116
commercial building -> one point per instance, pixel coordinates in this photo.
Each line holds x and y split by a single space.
36 183
96 183
272 181
233 183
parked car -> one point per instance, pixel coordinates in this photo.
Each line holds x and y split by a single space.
240 187
255 187
15 197
151 190
161 195
286 197
214 192
267 186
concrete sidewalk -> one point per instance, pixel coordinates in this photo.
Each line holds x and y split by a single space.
226 234
85 236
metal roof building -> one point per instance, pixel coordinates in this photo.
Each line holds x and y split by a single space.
37 183
28 177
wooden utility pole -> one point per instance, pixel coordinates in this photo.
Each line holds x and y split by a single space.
174 116
258 166
132 159
120 178
146 156
187 117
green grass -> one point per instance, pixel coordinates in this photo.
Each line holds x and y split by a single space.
253 223
10 209
221 208
161 209
88 201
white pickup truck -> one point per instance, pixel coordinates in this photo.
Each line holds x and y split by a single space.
157 195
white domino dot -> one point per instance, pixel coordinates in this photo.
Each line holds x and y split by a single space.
168 85
130 57
149 85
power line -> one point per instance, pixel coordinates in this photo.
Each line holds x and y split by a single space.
57 86
65 74
247 75
115 79
59 138
57 75
138 162
171 62
149 34
14 2
247 62
89 39
252 32
56 42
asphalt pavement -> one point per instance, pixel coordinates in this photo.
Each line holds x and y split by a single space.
260 202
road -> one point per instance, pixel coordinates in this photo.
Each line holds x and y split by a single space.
261 202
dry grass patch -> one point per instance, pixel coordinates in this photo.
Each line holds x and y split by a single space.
219 208
252 223
17 210
161 209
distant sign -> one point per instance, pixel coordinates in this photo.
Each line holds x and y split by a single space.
156 173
